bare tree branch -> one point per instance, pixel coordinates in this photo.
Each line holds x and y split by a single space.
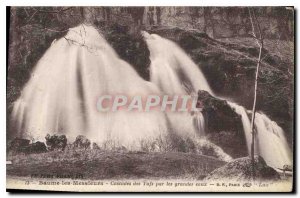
259 40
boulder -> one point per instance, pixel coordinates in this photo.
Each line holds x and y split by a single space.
219 115
241 170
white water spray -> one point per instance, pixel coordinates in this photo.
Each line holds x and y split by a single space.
62 93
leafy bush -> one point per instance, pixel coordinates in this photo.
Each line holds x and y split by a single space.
18 145
56 142
82 142
95 146
37 147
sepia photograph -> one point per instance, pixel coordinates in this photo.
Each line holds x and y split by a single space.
150 99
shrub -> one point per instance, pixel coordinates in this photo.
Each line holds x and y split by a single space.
82 142
56 142
95 146
18 145
37 147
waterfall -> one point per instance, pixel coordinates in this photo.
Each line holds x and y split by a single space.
198 119
245 121
175 73
270 141
61 95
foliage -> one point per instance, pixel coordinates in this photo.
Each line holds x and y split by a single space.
56 142
81 142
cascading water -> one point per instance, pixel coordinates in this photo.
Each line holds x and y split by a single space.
245 121
175 73
62 93
270 141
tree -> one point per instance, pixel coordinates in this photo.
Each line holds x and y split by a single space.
257 35
137 14
151 15
194 14
158 15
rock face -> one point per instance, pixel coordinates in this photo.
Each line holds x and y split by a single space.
241 170
131 48
218 113
223 126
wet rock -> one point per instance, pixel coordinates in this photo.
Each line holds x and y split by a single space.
130 47
223 125
241 170
219 115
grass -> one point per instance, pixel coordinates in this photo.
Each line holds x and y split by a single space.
97 164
